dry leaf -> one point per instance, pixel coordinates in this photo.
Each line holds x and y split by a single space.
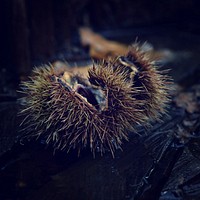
188 101
99 46
61 66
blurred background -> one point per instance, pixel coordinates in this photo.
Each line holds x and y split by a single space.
38 32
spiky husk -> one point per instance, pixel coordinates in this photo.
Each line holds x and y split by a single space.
152 84
132 89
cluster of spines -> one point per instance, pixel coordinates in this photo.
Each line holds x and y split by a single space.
134 93
153 84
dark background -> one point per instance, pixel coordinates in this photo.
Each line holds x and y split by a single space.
35 32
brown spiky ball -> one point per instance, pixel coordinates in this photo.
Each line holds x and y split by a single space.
70 111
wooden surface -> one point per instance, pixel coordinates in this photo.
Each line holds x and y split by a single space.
33 172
